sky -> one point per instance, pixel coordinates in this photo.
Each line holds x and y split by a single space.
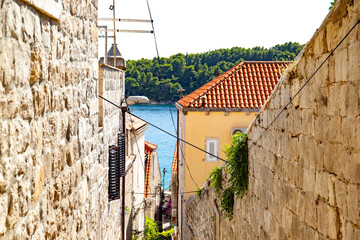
197 26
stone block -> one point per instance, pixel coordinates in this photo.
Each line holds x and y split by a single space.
4 136
36 66
66 182
48 92
334 129
341 196
47 161
21 65
13 208
13 103
4 201
13 20
351 231
306 98
309 180
319 41
353 200
321 185
6 73
83 191
19 139
348 95
333 106
352 167
341 64
328 220
21 231
356 142
311 217
300 206
36 137
26 105
39 100
353 66
349 131
24 192
38 183
332 161
321 131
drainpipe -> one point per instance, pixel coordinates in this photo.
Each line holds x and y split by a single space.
177 171
123 111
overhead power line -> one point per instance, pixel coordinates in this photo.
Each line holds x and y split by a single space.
164 130
168 97
125 20
307 81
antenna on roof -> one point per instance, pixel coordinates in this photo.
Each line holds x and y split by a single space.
114 30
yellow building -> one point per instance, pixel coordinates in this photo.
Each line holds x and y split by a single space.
209 116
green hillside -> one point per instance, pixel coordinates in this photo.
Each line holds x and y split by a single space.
190 71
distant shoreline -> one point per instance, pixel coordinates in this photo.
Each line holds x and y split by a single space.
157 103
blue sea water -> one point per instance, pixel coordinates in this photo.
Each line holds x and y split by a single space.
159 115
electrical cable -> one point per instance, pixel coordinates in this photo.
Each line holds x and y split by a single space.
163 130
172 118
138 149
307 81
155 193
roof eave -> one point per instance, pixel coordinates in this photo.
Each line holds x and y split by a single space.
187 109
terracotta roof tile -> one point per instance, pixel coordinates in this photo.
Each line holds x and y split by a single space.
149 148
135 123
246 85
174 163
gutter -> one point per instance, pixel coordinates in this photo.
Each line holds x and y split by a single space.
187 109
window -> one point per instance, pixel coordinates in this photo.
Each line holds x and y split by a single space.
211 146
235 130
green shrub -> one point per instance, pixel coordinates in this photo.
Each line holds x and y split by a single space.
215 179
237 165
152 231
227 203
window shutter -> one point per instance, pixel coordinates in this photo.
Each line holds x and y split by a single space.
114 173
121 145
211 146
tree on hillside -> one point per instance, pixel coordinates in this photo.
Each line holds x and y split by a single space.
159 79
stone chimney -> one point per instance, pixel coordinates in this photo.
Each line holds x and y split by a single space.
119 62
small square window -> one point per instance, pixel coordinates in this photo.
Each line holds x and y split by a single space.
211 146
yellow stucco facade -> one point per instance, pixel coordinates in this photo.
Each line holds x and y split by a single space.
195 127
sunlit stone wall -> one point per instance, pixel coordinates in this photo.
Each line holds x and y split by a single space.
305 169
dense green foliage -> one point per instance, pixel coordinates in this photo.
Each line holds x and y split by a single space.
237 166
227 203
152 231
191 71
215 179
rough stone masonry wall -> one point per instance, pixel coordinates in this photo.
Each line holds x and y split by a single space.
52 171
110 87
305 170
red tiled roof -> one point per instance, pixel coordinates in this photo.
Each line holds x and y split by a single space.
174 163
247 85
149 148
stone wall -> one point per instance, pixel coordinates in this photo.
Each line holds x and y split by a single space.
304 171
53 155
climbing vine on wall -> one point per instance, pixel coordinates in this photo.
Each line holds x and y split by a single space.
237 165
215 178
237 168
